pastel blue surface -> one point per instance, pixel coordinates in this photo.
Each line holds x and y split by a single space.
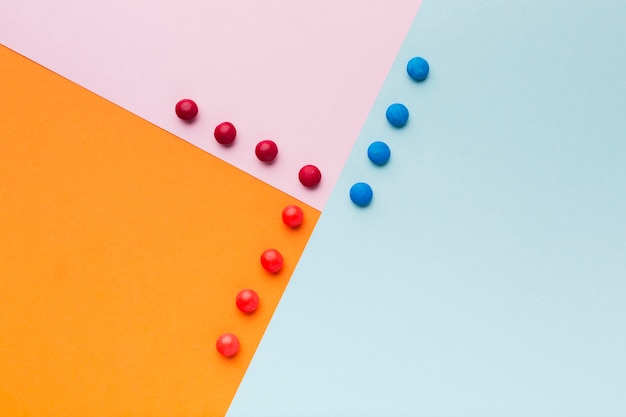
488 277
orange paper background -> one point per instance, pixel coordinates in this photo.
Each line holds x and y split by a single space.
122 248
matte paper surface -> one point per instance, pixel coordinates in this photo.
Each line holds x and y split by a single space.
488 276
304 74
121 254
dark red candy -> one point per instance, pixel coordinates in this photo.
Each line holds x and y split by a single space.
310 176
186 109
225 133
266 150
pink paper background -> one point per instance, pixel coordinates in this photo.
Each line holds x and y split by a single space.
304 76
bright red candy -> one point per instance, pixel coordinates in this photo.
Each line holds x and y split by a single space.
225 133
310 176
186 109
227 344
266 150
272 260
293 216
247 301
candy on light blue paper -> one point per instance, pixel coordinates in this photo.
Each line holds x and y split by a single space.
361 194
378 152
397 114
417 68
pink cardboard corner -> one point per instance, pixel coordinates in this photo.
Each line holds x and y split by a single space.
303 77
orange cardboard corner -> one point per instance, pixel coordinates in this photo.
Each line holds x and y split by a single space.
122 249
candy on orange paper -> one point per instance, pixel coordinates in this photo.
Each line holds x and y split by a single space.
121 247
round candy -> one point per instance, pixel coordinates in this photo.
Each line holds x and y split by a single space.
225 133
247 301
417 68
310 176
397 114
227 344
272 261
186 109
293 216
361 194
266 150
378 152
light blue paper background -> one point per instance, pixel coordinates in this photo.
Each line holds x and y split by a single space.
488 277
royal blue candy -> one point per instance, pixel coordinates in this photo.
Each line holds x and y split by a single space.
361 194
397 114
418 68
378 152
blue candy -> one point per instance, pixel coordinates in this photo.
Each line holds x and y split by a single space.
378 152
361 194
397 114
418 68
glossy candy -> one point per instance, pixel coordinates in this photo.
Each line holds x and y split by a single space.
417 68
227 344
379 153
247 301
225 133
397 114
361 194
186 109
266 150
310 176
293 216
272 261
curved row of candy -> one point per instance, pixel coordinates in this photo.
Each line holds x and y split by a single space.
247 300
397 115
266 150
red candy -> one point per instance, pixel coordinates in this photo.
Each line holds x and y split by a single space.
227 344
310 176
293 215
272 260
186 109
225 133
266 150
247 301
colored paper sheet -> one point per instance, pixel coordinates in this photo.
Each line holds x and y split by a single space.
302 74
122 249
488 275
